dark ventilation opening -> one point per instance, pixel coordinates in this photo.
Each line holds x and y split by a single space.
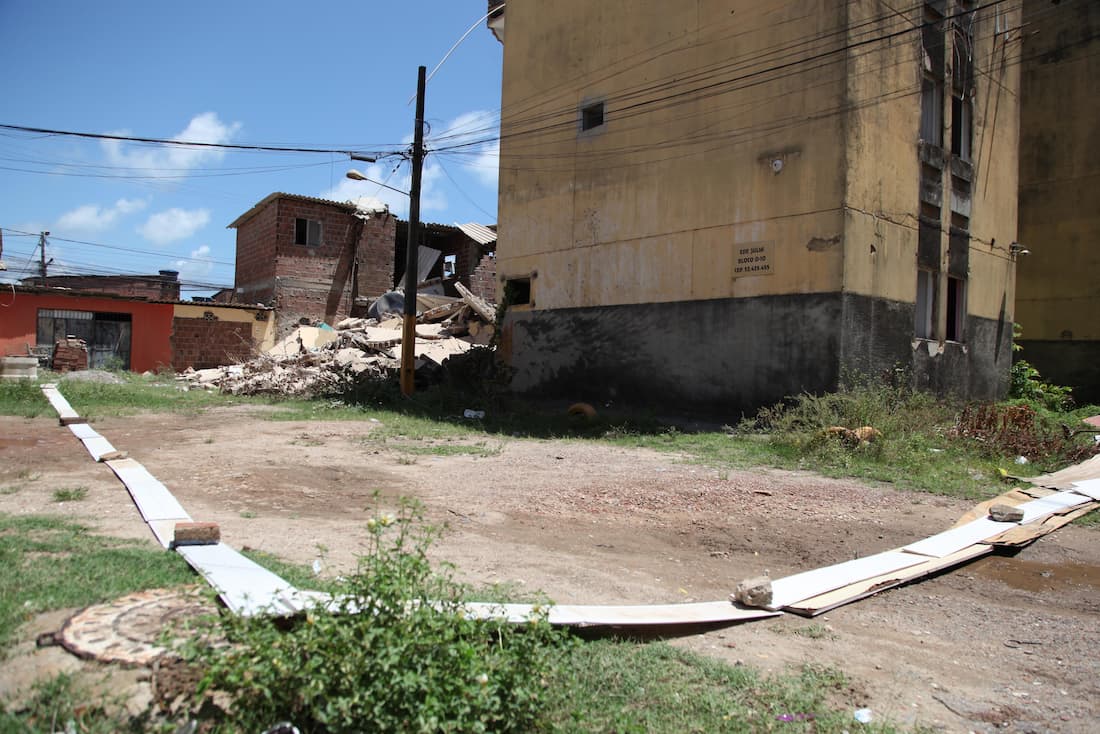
592 116
517 291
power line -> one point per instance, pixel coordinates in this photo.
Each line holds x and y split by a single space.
184 143
783 69
121 249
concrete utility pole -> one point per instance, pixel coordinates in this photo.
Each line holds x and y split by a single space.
408 334
42 262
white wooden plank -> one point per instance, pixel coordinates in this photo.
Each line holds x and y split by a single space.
98 446
59 403
955 539
1051 503
1089 487
828 601
152 498
246 587
791 589
82 430
164 530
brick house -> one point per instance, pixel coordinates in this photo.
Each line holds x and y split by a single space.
319 260
311 258
165 286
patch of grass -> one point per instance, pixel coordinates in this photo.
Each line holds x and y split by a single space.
248 514
70 494
61 704
449 449
92 399
48 563
12 489
815 632
623 687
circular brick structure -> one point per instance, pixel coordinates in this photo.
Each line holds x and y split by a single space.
128 630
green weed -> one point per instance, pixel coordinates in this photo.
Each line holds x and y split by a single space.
70 494
397 655
61 704
48 563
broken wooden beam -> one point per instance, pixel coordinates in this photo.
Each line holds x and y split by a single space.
480 306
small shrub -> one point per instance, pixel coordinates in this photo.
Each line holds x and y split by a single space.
1025 382
70 494
396 653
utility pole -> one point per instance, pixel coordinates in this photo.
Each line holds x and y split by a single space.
408 334
42 262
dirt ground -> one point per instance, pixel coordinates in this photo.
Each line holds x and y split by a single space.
1003 644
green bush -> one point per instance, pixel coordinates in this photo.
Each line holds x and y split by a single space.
394 653
1025 382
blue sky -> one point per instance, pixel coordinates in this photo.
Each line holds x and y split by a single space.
335 75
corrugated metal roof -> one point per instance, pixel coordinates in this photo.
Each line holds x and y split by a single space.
478 233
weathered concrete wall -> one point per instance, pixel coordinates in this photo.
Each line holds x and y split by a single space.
656 204
717 180
1071 362
716 355
1058 296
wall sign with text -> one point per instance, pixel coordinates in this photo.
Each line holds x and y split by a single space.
753 258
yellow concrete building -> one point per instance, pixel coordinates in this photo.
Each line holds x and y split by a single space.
723 203
1058 298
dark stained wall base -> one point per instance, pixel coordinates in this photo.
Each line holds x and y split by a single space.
1067 362
735 355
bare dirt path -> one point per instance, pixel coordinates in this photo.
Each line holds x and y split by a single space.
1005 644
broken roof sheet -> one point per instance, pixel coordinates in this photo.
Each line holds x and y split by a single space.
478 233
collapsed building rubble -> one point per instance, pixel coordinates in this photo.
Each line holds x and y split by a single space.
327 361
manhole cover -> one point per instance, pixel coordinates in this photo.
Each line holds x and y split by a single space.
128 629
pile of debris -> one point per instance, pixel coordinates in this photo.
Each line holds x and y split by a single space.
329 361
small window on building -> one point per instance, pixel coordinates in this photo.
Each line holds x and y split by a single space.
956 309
449 265
962 126
307 232
924 319
517 291
591 116
931 111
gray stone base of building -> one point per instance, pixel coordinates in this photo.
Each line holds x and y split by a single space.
735 355
1067 362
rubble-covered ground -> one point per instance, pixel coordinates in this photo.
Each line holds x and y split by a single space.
323 361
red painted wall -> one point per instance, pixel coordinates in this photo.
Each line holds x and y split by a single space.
151 323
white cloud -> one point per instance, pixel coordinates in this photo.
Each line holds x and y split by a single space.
432 199
197 268
174 160
478 130
173 224
92 218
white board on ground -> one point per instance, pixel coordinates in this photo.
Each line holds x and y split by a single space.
1051 503
152 498
246 587
955 539
59 403
82 431
1090 487
98 446
791 589
862 589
